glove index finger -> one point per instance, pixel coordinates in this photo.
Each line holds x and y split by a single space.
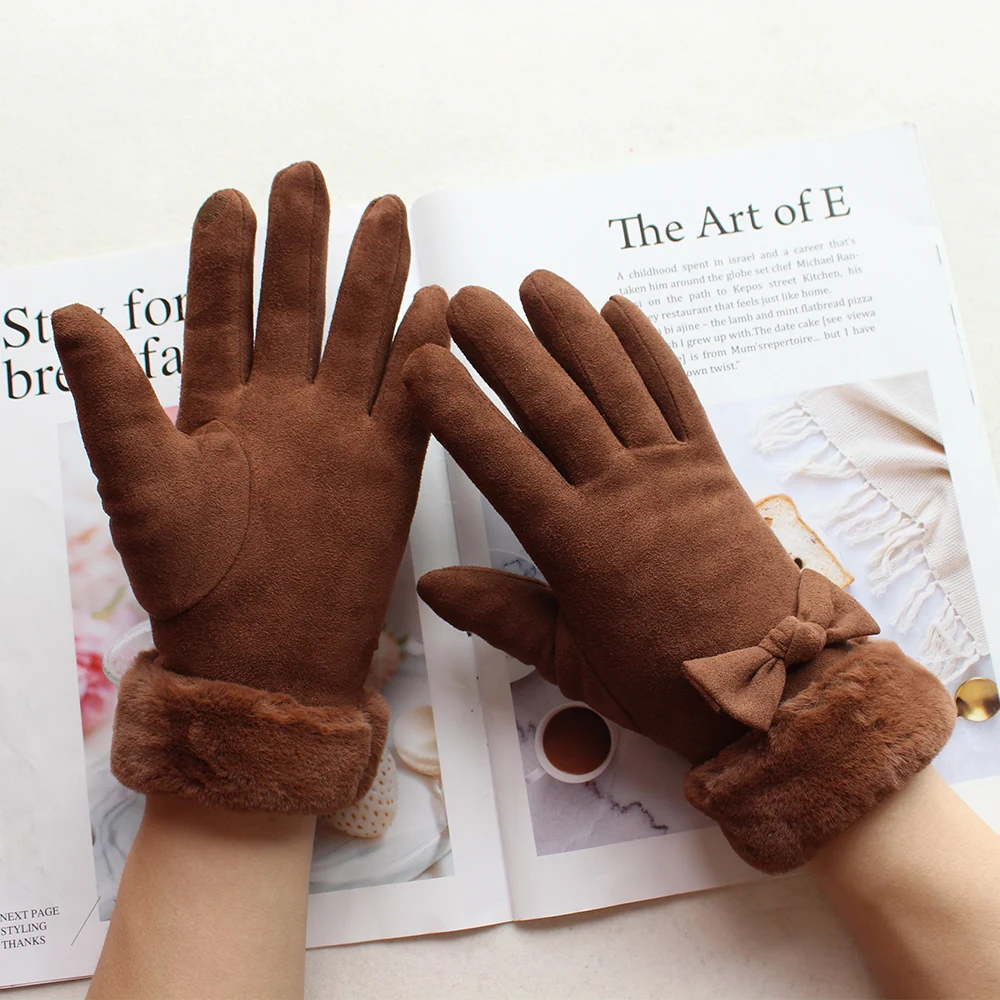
124 426
509 469
424 323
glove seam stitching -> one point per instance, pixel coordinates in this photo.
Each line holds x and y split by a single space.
246 532
666 382
592 394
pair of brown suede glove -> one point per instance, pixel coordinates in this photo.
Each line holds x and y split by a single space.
263 535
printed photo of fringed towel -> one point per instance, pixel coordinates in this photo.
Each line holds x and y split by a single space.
886 431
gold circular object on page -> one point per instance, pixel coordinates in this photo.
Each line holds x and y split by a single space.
977 699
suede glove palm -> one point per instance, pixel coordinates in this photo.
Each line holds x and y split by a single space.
263 533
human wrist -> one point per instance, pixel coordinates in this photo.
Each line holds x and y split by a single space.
187 818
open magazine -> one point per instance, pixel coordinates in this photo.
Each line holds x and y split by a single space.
805 290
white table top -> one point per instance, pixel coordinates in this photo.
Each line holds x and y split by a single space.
118 119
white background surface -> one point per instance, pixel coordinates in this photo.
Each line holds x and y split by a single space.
116 120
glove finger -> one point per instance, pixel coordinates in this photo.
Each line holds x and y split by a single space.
581 341
367 305
659 369
512 473
292 289
514 613
546 403
424 323
218 325
125 429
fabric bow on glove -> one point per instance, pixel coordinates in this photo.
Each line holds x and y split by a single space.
670 606
748 684
262 534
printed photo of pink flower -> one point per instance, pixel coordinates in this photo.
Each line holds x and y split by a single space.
103 603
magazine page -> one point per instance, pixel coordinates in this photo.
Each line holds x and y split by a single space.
431 861
805 290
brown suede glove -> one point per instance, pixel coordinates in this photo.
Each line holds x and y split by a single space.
262 534
670 606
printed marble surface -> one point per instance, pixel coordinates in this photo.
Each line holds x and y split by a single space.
639 795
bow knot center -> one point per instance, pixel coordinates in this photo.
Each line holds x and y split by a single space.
795 641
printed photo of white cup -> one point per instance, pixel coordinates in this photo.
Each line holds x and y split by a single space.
573 744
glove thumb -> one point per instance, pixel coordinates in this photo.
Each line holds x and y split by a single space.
521 616
514 613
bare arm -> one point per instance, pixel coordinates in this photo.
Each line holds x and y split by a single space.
211 904
918 881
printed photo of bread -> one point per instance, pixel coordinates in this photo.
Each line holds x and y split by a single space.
800 541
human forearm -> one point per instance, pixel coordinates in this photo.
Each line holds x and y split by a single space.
211 904
918 881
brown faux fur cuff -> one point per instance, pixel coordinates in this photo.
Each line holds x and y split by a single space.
236 747
833 752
